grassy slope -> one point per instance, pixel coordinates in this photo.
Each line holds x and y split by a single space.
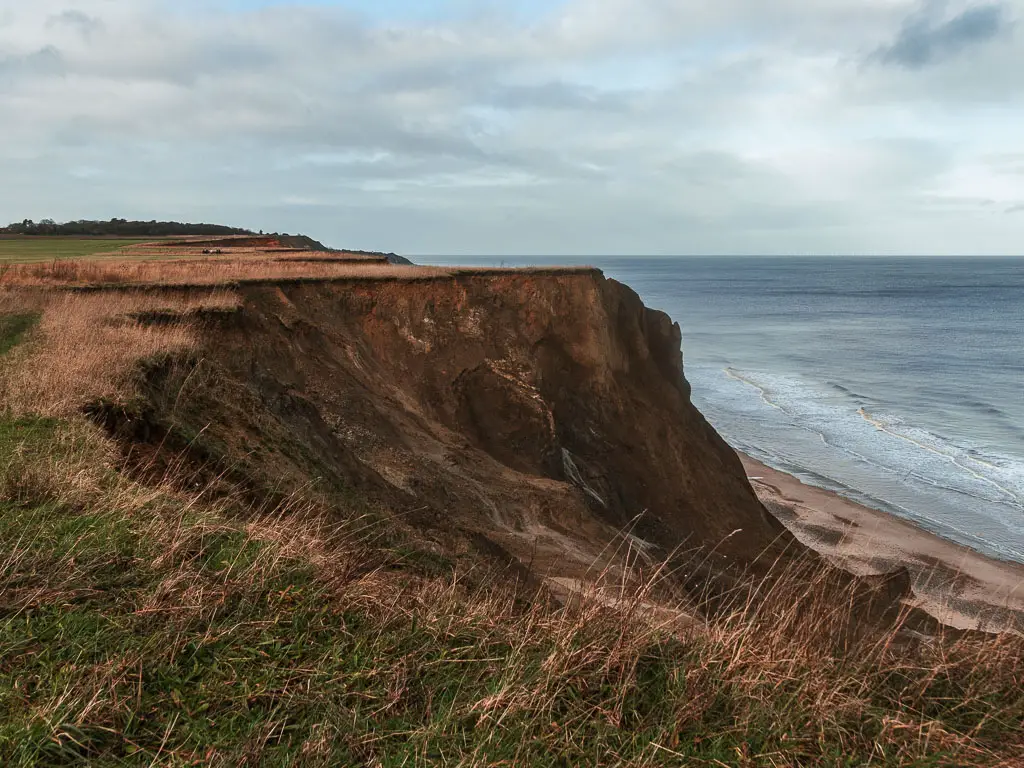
141 626
147 624
35 249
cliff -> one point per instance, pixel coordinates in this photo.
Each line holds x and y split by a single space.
539 417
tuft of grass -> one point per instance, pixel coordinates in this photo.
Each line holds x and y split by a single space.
13 329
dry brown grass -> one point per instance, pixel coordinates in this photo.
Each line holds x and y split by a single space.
212 271
87 344
259 266
16 301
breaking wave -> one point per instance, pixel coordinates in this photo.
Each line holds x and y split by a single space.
836 438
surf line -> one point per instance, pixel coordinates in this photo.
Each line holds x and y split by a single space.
732 374
796 423
882 427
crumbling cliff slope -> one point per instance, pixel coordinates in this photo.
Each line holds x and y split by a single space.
543 417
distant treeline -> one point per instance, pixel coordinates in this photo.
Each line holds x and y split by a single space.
118 228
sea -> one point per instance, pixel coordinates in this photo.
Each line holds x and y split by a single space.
896 382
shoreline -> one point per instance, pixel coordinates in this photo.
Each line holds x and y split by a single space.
959 586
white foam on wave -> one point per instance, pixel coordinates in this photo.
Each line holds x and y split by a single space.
1002 474
959 491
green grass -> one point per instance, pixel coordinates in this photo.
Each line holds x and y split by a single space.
36 249
13 329
29 436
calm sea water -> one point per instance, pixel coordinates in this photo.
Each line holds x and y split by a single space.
896 382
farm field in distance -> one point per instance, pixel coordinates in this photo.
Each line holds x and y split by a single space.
14 249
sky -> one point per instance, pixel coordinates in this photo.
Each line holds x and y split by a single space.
566 127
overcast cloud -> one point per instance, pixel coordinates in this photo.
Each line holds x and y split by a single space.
582 127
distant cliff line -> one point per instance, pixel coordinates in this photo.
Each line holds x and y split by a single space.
136 229
118 228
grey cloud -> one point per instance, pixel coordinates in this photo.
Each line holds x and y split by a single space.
224 56
46 62
183 61
926 39
81 22
1018 208
1009 162
557 95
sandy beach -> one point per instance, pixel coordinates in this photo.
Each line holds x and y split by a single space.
960 587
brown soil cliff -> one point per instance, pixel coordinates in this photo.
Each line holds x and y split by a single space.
540 416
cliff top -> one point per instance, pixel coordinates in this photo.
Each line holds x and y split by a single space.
204 262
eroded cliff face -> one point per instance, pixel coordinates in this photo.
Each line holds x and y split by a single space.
542 416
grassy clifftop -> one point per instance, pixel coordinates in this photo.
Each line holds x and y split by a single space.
154 610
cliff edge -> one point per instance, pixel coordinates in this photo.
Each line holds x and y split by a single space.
542 417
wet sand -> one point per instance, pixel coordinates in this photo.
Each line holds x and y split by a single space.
960 587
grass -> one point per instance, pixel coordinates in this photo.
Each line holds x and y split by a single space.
152 625
184 267
13 329
211 271
88 345
39 249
